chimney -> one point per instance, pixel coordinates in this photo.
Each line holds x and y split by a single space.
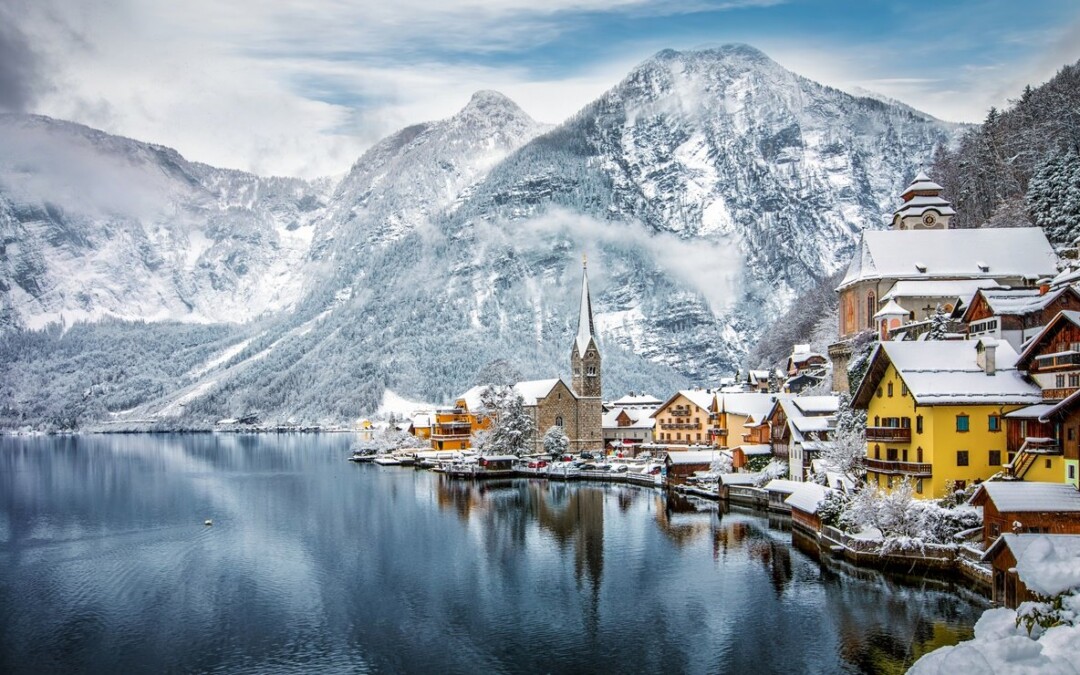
986 355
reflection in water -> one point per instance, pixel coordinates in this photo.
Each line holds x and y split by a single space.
317 564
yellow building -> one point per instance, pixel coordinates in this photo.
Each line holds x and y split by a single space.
935 413
686 419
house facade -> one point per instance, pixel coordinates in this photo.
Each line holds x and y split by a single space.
935 412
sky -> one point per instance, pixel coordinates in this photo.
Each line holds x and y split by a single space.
301 88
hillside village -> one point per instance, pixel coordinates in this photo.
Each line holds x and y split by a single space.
942 428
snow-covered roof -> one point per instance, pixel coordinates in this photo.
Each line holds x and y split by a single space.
944 372
641 419
891 308
636 400
1029 412
965 289
1048 564
807 497
754 405
694 456
702 398
782 485
532 391
985 253
756 449
922 183
1022 496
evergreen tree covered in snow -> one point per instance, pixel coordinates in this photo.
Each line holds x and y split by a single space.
556 442
513 428
939 325
1054 196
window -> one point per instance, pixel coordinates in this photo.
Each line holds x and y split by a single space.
890 390
961 458
962 422
558 421
918 424
994 422
995 458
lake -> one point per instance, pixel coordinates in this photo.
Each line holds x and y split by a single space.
314 563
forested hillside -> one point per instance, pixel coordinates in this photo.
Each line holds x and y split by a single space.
1021 166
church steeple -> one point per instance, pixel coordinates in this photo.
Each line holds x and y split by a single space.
585 354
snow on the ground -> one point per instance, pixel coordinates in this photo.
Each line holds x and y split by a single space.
1001 647
221 358
399 405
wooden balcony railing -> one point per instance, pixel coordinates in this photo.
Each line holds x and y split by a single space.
899 434
913 469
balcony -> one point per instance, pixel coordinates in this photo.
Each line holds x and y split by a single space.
913 469
889 434
1065 359
681 425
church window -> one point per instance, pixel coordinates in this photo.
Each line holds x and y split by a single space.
558 421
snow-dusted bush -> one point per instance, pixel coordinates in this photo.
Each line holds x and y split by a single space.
776 469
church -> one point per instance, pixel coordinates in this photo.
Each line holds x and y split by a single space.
577 407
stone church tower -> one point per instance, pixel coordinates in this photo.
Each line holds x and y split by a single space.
585 364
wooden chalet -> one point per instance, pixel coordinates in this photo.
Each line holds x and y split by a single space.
1024 507
1024 565
1017 314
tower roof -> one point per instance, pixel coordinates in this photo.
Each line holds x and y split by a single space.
585 330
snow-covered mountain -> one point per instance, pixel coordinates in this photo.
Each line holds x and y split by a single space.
708 188
95 225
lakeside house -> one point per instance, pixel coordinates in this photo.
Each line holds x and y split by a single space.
1024 507
1026 566
799 426
935 412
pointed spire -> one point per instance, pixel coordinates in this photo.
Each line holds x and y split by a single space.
585 319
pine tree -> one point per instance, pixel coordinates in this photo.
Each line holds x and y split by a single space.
556 442
513 428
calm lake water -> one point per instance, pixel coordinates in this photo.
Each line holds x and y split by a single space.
317 564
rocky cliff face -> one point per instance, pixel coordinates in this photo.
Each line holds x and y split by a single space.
708 189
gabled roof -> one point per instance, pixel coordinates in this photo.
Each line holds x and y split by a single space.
1021 497
702 398
1065 316
532 391
693 456
752 404
1048 564
807 497
985 253
946 373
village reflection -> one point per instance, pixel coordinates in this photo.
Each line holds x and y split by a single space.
572 515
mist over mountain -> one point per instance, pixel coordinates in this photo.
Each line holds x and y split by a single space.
708 190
